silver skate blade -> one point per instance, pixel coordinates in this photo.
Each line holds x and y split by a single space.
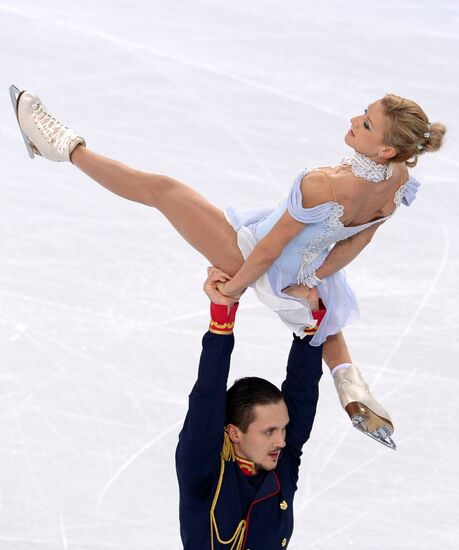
386 441
14 95
381 435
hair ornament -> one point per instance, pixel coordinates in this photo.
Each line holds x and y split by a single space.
420 147
427 135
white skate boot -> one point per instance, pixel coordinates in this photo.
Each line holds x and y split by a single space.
43 134
366 413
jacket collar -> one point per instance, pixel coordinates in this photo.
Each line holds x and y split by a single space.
270 485
247 467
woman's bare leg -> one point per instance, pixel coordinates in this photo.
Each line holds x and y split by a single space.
335 351
199 222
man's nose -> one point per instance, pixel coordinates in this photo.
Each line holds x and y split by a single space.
280 443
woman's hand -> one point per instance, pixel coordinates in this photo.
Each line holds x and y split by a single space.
221 286
302 291
217 277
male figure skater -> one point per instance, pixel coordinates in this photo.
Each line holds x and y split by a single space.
239 451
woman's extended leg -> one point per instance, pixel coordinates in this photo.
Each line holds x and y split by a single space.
199 222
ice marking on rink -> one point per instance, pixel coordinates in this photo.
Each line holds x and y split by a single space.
360 466
131 461
340 529
137 46
116 63
238 137
63 531
409 325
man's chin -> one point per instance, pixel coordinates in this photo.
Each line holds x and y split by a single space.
267 467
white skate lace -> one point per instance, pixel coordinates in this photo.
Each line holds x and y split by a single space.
51 129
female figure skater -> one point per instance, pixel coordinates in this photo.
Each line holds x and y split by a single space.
286 254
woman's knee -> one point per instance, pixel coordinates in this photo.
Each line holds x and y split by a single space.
158 188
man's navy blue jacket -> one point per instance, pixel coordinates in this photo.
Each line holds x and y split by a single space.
265 500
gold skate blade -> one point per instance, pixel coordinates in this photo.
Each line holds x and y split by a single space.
15 94
367 420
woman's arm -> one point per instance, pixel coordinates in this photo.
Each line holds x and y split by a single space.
263 255
345 251
270 247
314 192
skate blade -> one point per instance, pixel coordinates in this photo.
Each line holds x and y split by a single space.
381 435
369 423
15 94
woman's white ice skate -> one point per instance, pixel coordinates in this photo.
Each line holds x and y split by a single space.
43 135
366 414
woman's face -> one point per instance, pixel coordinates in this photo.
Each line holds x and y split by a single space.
366 134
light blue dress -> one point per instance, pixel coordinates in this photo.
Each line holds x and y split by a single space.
304 254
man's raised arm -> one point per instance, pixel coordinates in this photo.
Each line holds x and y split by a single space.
201 438
301 393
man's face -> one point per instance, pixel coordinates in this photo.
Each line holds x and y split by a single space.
265 436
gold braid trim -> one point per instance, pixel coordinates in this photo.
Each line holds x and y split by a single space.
228 453
226 332
221 325
218 328
237 540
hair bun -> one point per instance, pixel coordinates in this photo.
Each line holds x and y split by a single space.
409 131
435 140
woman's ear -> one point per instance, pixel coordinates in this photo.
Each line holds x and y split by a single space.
387 152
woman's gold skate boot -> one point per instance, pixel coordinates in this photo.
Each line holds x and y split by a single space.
43 135
366 414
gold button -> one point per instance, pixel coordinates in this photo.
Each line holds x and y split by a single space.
283 505
284 542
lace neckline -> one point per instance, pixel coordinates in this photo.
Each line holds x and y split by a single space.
369 170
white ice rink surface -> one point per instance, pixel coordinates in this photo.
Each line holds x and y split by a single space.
101 308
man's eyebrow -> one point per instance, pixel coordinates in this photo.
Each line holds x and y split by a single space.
277 427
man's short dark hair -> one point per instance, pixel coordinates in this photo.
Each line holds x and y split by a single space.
244 395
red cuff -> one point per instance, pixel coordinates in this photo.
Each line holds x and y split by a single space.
222 321
318 316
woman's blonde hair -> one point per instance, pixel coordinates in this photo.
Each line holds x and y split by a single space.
409 130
